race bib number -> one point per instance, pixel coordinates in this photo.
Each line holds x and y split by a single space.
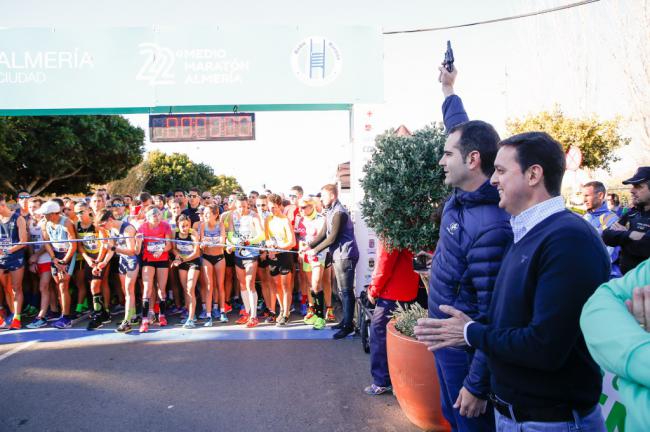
5 244
185 249
211 241
155 247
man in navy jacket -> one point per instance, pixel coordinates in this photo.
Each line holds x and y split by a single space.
542 376
474 233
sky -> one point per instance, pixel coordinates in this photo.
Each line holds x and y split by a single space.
506 70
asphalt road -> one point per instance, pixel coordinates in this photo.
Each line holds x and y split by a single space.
130 384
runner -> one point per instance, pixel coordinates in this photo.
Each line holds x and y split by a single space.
268 285
58 229
119 208
91 264
39 263
229 256
292 212
13 229
173 283
155 262
188 263
280 235
244 229
309 226
212 234
127 250
193 204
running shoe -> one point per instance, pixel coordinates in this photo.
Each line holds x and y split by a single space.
310 313
216 313
375 390
319 323
37 323
242 311
117 309
15 324
7 321
81 308
253 322
281 322
162 320
227 307
144 327
174 310
52 315
223 318
243 319
203 315
208 322
124 327
63 323
189 324
3 323
29 311
329 315
136 320
95 323
3 313
156 308
270 319
152 318
303 309
184 314
105 317
311 320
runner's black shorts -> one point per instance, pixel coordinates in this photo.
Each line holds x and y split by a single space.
283 263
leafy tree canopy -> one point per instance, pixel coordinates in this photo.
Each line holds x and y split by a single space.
176 170
596 139
225 186
404 188
66 154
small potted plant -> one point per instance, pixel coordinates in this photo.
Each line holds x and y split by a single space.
413 371
403 193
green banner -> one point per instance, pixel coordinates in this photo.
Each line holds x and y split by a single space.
158 69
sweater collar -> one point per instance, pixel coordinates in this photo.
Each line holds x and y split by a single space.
529 218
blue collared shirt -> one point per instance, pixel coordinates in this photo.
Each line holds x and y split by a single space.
529 218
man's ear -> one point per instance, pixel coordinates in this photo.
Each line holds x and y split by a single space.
473 160
535 175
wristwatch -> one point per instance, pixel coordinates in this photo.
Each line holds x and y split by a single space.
62 262
113 248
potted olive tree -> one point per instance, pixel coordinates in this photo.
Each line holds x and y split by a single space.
404 191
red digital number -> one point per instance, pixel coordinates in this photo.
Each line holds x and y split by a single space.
186 127
200 127
171 126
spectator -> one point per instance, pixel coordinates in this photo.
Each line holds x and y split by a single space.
600 217
631 230
542 376
619 341
614 204
393 281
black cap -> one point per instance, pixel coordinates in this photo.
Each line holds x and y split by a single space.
642 175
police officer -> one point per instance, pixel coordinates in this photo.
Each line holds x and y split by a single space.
632 231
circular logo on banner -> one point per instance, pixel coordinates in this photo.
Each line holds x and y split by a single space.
573 158
316 61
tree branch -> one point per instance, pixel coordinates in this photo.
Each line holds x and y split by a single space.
51 180
8 184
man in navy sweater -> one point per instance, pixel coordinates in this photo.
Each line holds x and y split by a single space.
542 376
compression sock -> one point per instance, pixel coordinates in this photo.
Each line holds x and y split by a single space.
246 301
98 302
303 299
163 307
145 309
253 300
17 317
130 313
319 300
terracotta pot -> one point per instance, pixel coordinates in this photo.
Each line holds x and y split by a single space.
415 381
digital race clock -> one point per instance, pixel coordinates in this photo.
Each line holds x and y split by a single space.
202 127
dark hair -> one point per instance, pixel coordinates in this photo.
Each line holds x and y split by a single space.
104 215
331 188
59 201
598 186
254 192
242 197
144 196
298 189
195 189
179 190
539 148
182 218
262 197
614 197
477 135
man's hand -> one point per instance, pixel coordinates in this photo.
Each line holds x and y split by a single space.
371 299
639 306
618 227
469 405
447 79
442 333
636 235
